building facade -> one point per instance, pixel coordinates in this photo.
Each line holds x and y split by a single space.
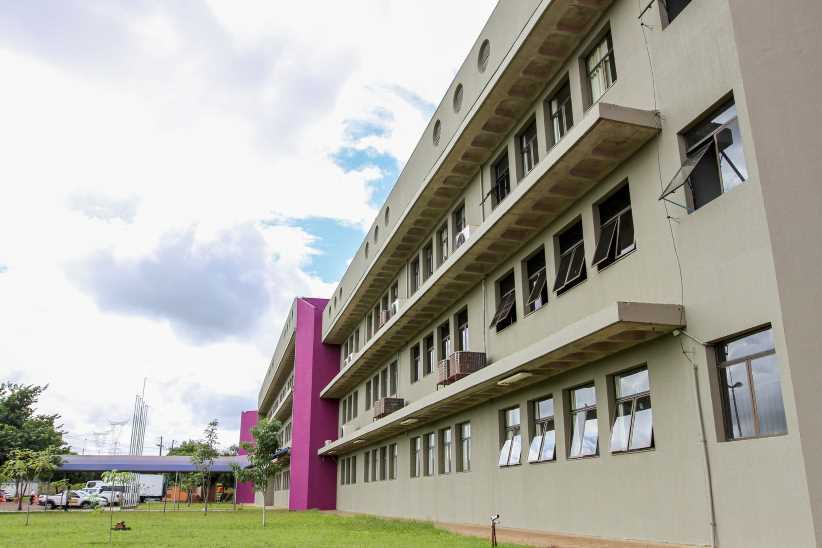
301 366
245 489
587 304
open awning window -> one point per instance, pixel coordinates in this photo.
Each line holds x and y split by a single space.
684 172
536 289
506 304
571 267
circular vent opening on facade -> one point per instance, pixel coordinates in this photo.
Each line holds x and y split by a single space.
484 55
437 132
376 233
458 98
387 213
366 250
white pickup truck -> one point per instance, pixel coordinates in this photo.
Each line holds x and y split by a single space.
75 499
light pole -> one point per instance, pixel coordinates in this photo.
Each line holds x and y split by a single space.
733 387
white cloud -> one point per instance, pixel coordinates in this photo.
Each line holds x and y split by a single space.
129 126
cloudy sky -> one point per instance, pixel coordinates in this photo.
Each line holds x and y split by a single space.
172 174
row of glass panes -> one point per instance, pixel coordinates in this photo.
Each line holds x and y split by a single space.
424 454
424 353
284 391
632 429
380 463
282 480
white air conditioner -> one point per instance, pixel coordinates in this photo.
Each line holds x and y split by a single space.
462 237
395 307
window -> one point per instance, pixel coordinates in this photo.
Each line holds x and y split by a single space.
749 383
465 446
674 8
544 442
537 281
383 462
368 394
445 340
430 354
462 330
616 228
375 388
348 470
511 450
395 298
392 379
427 261
601 68
366 466
459 225
392 463
528 149
349 407
374 456
561 114
442 243
506 313
416 363
414 275
633 425
353 469
445 454
502 181
369 325
571 269
584 429
430 453
384 383
416 457
716 159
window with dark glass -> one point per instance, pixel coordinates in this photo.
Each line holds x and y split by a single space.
352 469
395 298
384 383
416 363
459 226
501 186
430 453
427 261
392 462
750 386
528 149
464 430
506 313
571 269
369 326
462 330
375 388
392 379
511 450
633 424
383 462
374 455
430 357
368 394
601 68
414 275
445 340
446 451
442 243
584 428
537 281
616 228
561 113
544 442
416 457
674 8
366 466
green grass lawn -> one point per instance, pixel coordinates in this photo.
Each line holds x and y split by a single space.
242 528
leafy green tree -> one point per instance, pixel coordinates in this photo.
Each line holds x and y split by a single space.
187 448
204 456
261 454
24 466
21 427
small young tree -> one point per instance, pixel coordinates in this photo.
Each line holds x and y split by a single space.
24 465
204 456
261 454
114 478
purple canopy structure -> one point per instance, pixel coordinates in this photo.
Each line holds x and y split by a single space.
143 463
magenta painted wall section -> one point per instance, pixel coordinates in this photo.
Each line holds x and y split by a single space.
314 420
245 490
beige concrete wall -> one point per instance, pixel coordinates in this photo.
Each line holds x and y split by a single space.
765 492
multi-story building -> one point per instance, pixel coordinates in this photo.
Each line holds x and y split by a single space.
588 302
300 367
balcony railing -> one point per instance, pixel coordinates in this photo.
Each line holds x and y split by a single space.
458 365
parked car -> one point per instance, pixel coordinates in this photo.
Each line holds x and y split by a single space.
75 499
110 494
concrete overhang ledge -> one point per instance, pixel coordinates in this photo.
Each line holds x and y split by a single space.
606 332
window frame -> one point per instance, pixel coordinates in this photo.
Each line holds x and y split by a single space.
429 454
532 280
725 405
528 148
564 110
510 436
429 355
633 399
570 252
446 450
540 428
613 253
506 311
572 414
603 38
443 241
501 180
393 461
416 362
463 335
416 456
464 447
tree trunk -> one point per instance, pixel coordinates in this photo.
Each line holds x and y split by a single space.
207 483
18 487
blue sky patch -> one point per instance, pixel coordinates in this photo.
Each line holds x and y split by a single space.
336 243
